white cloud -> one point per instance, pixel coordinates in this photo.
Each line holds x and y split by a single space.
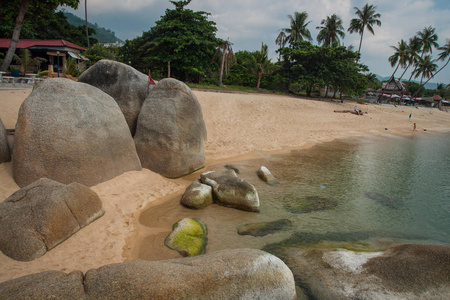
247 23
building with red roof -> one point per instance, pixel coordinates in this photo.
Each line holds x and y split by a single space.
52 50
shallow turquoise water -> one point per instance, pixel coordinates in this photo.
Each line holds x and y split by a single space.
374 190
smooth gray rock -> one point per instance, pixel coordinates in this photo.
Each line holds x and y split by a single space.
71 132
229 274
44 285
125 84
232 191
197 196
402 272
5 154
171 133
265 175
41 215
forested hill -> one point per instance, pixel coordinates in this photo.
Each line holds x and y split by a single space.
103 35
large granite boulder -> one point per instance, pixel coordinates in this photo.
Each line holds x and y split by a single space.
197 196
125 84
402 272
170 132
231 274
71 132
5 154
41 215
232 191
44 285
189 237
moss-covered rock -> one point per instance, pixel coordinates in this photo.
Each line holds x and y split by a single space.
197 196
188 237
264 228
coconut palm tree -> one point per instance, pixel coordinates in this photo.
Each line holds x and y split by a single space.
87 30
298 31
425 68
366 18
428 38
25 60
330 31
281 41
227 58
260 64
400 56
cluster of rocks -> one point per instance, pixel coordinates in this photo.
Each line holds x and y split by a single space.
230 274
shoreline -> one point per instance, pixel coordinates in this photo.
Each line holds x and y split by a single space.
239 126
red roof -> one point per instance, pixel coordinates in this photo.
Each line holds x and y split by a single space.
24 43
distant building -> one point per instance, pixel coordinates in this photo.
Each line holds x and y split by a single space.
52 50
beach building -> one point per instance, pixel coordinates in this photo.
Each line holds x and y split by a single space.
54 51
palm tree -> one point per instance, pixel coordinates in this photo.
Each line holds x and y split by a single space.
281 41
85 14
25 60
227 58
260 64
425 68
444 55
365 19
298 31
400 56
428 38
330 31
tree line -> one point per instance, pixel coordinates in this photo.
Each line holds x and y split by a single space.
183 44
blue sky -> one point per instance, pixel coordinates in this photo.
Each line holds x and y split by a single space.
248 23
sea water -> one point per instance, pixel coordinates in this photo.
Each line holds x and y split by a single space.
372 188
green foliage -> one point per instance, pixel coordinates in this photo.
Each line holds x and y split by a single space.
98 52
71 67
183 37
42 25
26 61
309 67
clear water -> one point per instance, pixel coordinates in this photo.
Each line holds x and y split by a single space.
391 189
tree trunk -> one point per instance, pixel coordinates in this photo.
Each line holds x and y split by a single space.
168 69
448 60
222 64
85 14
360 42
15 36
259 81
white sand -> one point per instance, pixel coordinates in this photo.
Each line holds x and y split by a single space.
238 125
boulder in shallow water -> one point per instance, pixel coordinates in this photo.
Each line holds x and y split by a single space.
264 228
232 191
41 215
402 272
189 237
71 132
265 175
299 205
125 84
171 133
197 196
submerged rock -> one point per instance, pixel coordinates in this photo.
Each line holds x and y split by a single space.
299 205
232 191
197 196
264 228
189 237
384 200
41 215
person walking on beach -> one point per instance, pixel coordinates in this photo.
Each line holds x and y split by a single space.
410 116
414 127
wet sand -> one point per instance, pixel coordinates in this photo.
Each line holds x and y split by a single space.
239 126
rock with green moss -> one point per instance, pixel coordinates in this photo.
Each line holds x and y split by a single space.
232 191
188 237
264 228
197 196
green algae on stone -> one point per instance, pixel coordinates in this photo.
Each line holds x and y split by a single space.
188 237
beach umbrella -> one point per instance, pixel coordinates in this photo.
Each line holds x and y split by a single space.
437 98
406 98
395 96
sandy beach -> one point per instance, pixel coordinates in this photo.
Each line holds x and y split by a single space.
238 126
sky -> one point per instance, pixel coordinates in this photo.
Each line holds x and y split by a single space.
248 23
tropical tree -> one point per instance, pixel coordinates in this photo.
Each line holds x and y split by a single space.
87 28
400 56
41 6
298 31
227 59
260 64
26 61
330 31
366 18
281 41
428 39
